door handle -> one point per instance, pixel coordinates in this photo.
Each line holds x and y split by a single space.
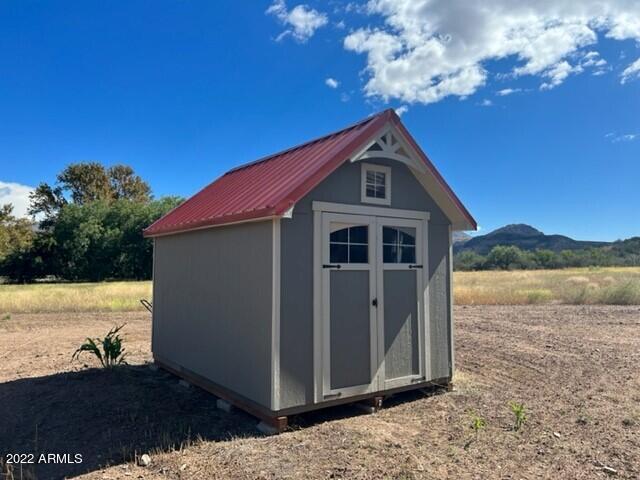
374 302
415 266
328 265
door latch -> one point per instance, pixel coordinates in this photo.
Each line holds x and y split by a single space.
415 266
328 265
374 302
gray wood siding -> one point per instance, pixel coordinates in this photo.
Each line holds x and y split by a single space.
212 305
296 304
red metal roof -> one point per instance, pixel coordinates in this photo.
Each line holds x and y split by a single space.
271 185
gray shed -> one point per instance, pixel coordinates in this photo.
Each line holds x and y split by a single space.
315 276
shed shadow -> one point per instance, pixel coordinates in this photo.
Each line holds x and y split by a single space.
108 417
349 410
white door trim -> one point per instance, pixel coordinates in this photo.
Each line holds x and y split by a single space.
327 207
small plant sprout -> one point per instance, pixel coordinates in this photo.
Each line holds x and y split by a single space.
519 412
477 423
108 350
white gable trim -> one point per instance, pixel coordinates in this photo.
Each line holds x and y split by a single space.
390 143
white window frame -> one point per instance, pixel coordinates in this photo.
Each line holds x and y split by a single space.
369 167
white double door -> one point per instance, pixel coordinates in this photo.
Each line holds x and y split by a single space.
372 303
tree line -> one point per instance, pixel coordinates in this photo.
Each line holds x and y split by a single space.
86 226
502 257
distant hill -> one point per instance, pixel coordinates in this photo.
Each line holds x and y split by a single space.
461 237
524 237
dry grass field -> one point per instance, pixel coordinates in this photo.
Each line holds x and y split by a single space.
607 286
574 286
73 297
575 368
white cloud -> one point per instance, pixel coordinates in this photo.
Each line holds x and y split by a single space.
345 97
331 82
507 91
625 137
486 103
17 195
557 74
402 110
426 50
302 21
631 71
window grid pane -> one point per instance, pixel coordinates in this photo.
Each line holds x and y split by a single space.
375 184
398 245
349 245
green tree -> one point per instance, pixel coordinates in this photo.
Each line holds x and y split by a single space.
468 260
103 240
505 257
16 234
125 184
85 183
91 226
546 259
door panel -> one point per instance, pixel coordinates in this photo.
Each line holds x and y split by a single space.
372 305
400 324
350 329
400 317
348 287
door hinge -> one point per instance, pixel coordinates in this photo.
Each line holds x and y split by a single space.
374 302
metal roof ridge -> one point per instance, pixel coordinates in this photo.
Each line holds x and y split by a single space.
307 143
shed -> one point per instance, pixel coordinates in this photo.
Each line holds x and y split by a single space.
311 277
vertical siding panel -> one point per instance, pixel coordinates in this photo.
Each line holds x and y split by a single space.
213 305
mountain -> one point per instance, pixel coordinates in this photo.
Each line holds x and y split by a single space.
524 237
461 237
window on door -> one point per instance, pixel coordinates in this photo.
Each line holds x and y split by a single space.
349 244
398 244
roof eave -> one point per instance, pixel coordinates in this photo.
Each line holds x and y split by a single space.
243 217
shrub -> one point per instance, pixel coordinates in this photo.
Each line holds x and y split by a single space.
625 294
112 352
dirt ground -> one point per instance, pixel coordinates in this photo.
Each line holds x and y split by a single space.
574 367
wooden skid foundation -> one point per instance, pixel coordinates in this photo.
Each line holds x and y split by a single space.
278 420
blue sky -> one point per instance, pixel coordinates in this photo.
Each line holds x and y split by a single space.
184 90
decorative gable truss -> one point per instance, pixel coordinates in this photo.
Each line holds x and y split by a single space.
390 145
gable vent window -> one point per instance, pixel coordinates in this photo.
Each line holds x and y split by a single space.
376 184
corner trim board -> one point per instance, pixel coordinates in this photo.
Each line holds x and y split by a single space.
275 317
450 306
317 306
